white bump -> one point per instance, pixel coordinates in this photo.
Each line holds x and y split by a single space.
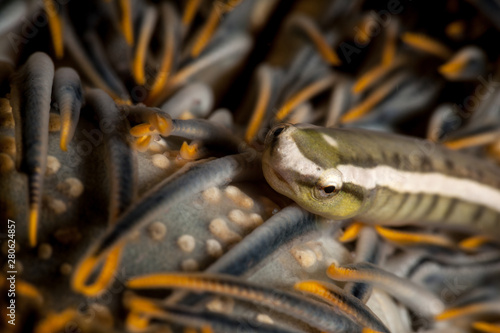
71 187
221 305
219 229
256 219
238 197
8 145
246 202
157 231
44 251
6 116
243 220
65 269
436 307
7 120
186 243
155 148
223 117
158 146
263 318
133 235
239 217
317 251
57 206
189 265
5 106
232 192
53 165
306 258
6 163
214 248
212 195
160 161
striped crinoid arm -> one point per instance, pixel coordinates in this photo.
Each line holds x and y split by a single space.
149 184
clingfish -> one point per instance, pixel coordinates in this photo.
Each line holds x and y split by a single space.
381 178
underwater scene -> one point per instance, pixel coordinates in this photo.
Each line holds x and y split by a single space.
249 166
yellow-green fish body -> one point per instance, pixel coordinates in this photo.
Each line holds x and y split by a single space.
381 178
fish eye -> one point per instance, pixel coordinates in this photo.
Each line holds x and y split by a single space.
329 185
275 132
330 189
326 191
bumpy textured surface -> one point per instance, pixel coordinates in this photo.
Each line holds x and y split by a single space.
170 102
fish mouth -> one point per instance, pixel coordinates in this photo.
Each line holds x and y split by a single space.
280 177
282 180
